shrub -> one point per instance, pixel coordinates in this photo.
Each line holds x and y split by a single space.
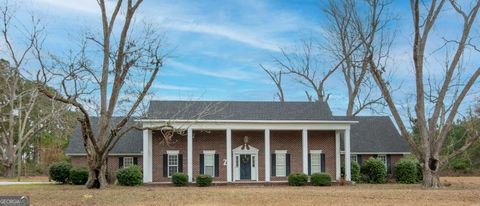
460 164
179 179
355 171
297 179
78 175
60 171
130 176
406 171
320 179
419 172
204 180
375 171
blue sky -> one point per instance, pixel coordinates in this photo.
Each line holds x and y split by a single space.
216 46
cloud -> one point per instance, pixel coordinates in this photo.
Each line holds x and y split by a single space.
173 87
235 74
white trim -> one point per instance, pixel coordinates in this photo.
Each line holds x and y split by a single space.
254 155
246 125
279 173
280 151
173 152
190 154
147 156
212 155
305 150
229 155
316 152
378 153
337 156
245 121
348 172
127 158
267 155
208 151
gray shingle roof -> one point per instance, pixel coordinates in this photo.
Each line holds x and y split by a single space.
131 142
238 110
375 134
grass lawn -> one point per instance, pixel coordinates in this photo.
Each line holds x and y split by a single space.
462 191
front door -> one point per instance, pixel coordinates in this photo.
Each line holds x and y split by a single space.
245 167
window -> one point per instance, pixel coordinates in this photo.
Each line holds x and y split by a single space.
315 164
280 163
172 164
127 161
383 158
209 165
353 158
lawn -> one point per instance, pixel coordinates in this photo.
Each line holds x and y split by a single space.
462 191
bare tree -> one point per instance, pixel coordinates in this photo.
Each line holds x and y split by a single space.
350 24
23 112
434 122
276 77
114 84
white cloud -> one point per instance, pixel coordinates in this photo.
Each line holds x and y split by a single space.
225 73
173 87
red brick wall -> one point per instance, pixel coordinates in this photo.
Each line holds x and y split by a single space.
255 139
292 142
112 167
210 140
325 141
159 147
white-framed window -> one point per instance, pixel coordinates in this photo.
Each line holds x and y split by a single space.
127 162
353 158
172 162
209 163
315 161
383 158
280 163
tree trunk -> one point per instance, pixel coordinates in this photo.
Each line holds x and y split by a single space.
8 170
96 173
431 178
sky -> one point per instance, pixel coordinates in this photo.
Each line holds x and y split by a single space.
215 47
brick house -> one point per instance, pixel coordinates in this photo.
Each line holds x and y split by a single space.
248 141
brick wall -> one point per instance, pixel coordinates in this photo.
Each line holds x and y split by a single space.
325 141
159 148
112 164
210 140
255 139
292 142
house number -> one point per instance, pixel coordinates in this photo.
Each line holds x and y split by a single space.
225 162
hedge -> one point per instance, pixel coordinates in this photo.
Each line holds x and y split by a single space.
204 180
320 179
180 179
406 171
297 179
130 176
60 172
78 175
374 171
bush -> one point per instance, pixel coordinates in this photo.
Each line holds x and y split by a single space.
406 171
375 171
130 176
297 179
355 171
180 179
78 175
204 180
60 171
419 172
320 179
460 164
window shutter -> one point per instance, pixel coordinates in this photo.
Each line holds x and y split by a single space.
274 160
165 165
287 160
180 163
201 164
120 162
389 164
322 162
309 164
217 171
359 159
375 156
135 161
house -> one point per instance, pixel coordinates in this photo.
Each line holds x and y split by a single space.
247 141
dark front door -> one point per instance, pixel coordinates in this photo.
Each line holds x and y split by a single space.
245 167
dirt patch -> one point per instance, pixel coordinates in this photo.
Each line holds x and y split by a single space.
463 191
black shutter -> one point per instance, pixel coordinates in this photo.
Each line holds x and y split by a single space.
274 160
309 164
120 162
180 163
322 162
287 159
359 159
201 164
165 165
217 169
389 164
375 156
135 161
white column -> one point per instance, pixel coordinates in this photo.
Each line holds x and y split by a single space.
267 155
147 155
229 155
189 154
337 155
347 155
305 150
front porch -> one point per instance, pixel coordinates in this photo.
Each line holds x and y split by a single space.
246 151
